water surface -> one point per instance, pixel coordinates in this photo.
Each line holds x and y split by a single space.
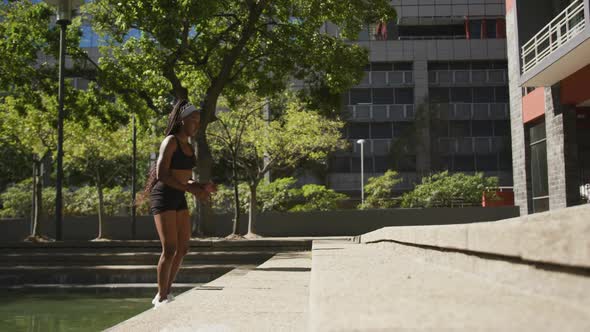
69 310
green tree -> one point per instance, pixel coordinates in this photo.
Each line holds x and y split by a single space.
446 190
379 191
294 135
279 195
29 43
103 154
205 49
318 198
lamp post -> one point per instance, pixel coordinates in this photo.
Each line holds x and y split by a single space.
362 143
65 10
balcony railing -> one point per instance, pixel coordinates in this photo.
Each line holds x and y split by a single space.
560 30
476 76
394 112
470 111
388 78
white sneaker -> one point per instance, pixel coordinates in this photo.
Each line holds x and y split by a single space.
157 298
160 303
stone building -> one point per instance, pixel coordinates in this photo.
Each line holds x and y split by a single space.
434 97
549 70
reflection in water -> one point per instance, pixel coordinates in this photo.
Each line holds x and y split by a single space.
67 310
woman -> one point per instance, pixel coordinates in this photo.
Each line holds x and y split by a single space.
167 183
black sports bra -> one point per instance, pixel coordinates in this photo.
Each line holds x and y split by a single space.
180 160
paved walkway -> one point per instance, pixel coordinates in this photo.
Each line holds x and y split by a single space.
272 297
390 287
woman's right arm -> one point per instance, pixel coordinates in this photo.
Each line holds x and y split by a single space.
163 173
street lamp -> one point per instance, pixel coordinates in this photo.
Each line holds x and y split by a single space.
362 143
65 10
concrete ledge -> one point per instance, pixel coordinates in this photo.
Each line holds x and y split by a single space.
272 297
559 237
322 223
395 287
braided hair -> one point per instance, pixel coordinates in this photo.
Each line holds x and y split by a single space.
172 128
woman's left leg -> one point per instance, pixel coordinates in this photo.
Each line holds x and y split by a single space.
183 227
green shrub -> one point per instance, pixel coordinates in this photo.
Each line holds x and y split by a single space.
279 195
223 200
318 198
81 202
379 191
445 190
84 202
17 200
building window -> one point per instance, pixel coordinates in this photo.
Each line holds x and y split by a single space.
490 29
360 96
356 164
538 164
460 129
358 130
483 95
381 66
438 95
461 95
382 164
404 96
487 162
502 128
383 96
340 165
402 129
381 130
464 163
482 128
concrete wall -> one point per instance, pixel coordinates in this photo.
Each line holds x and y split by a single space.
81 228
333 223
519 170
562 165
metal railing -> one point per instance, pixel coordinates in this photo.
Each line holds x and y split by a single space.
388 78
393 112
472 144
560 30
468 76
470 111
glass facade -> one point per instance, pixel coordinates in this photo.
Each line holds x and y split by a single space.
470 127
538 167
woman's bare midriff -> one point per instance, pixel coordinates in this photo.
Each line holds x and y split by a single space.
181 175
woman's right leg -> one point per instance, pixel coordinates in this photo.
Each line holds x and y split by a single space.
166 226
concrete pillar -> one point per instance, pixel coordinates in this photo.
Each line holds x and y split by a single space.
560 123
422 121
519 148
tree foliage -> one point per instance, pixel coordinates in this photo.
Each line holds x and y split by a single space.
379 191
318 198
256 143
446 190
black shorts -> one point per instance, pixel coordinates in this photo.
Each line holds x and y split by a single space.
165 198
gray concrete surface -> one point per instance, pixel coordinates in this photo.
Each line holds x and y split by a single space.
296 224
384 287
272 297
559 237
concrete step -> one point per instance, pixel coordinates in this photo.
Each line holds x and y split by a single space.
212 244
103 288
272 297
391 286
105 274
557 237
51 257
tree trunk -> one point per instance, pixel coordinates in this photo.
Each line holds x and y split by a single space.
202 175
35 211
236 226
100 204
252 212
